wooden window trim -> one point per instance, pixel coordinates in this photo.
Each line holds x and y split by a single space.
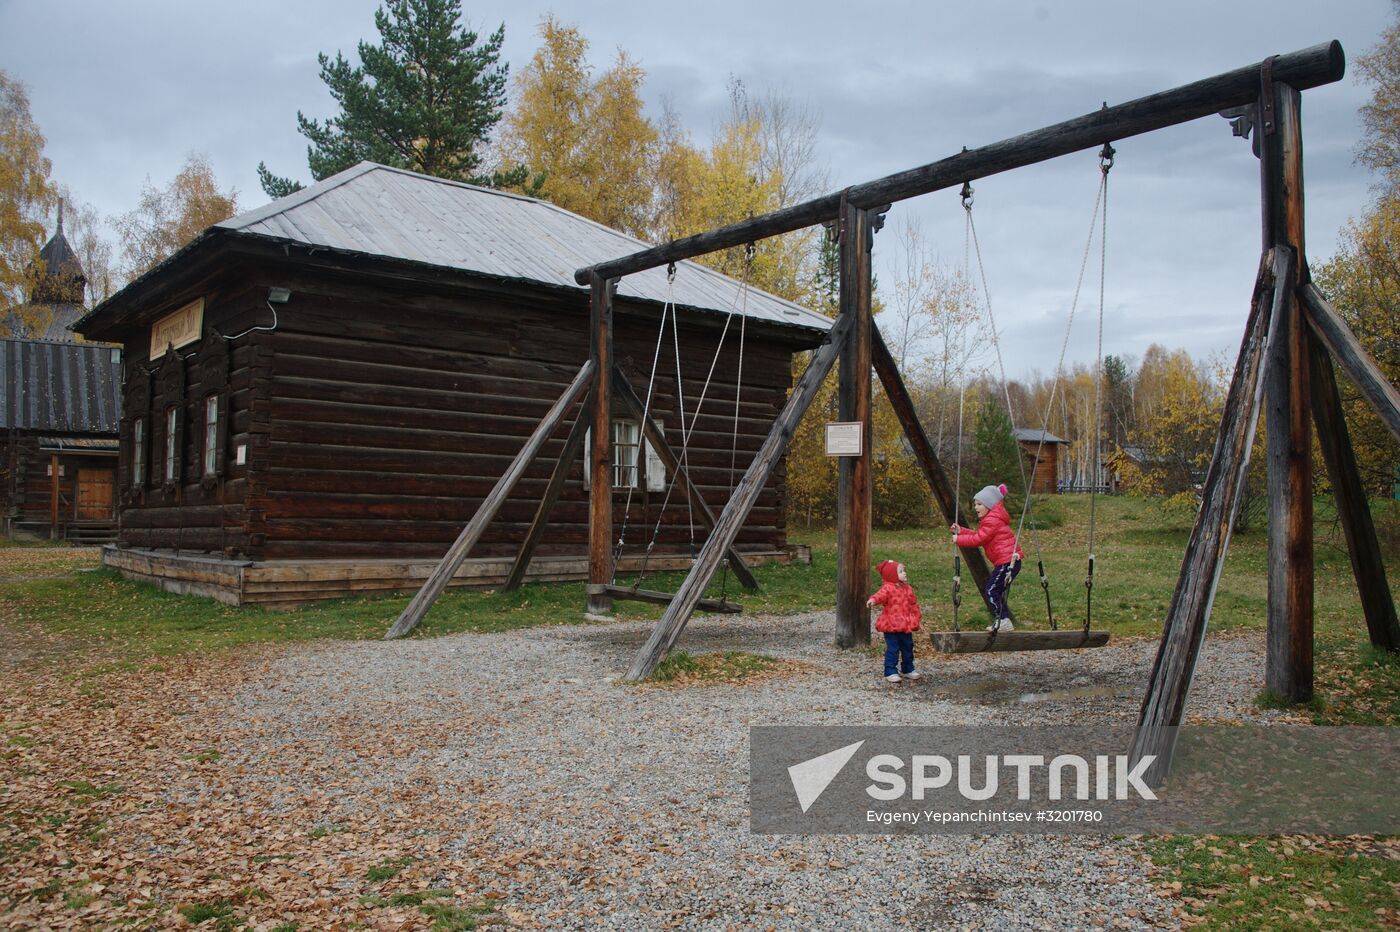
209 456
139 465
170 467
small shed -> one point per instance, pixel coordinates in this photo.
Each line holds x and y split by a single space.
59 414
1041 451
319 393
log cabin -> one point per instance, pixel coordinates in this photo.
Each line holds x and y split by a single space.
320 392
58 439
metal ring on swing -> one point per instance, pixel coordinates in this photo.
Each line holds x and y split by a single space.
966 195
1106 155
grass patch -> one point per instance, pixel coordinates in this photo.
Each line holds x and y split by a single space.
1268 699
221 911
90 790
1138 547
1290 882
681 667
387 869
449 918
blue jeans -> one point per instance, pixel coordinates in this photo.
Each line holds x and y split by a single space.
899 648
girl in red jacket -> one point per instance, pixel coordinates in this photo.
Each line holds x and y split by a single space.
994 536
898 621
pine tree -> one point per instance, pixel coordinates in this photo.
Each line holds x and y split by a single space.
995 453
426 98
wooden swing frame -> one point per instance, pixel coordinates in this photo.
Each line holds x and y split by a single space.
1284 366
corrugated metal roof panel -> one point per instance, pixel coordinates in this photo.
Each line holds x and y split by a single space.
384 211
64 387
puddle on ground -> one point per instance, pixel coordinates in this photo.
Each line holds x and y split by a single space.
1082 692
1005 692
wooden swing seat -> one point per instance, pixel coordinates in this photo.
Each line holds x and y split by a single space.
976 642
661 598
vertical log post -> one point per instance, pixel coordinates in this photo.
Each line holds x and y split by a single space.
600 510
1289 658
53 497
853 493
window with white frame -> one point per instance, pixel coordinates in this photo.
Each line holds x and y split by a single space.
138 453
626 447
626 444
170 450
211 435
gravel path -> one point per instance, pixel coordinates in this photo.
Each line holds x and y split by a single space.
587 803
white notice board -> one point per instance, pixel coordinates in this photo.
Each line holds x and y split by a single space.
843 439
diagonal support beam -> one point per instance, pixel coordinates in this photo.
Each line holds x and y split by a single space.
672 622
442 575
903 404
1367 564
573 446
657 438
1183 634
1352 357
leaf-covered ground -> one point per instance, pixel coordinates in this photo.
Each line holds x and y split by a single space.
115 813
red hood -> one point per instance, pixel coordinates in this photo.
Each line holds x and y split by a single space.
889 571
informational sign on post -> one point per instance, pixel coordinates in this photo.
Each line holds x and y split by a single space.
843 438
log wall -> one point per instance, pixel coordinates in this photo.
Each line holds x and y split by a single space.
393 415
376 418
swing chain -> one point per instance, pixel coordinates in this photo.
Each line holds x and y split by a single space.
957 587
1089 594
1045 585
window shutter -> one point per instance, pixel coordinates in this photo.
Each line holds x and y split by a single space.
656 469
177 471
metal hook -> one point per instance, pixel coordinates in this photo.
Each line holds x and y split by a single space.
670 272
966 195
1106 155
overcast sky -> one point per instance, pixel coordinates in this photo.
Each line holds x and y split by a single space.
124 91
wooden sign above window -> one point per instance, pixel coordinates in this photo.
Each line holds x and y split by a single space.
177 329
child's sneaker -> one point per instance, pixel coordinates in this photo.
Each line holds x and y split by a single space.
1005 625
893 678
912 675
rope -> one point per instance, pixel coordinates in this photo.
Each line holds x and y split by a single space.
1100 201
1105 165
686 432
646 412
738 395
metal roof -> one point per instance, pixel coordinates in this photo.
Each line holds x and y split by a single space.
80 444
61 387
1037 435
377 210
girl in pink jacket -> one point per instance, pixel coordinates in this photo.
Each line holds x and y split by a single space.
995 537
898 622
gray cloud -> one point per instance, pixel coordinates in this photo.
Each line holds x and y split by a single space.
124 91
